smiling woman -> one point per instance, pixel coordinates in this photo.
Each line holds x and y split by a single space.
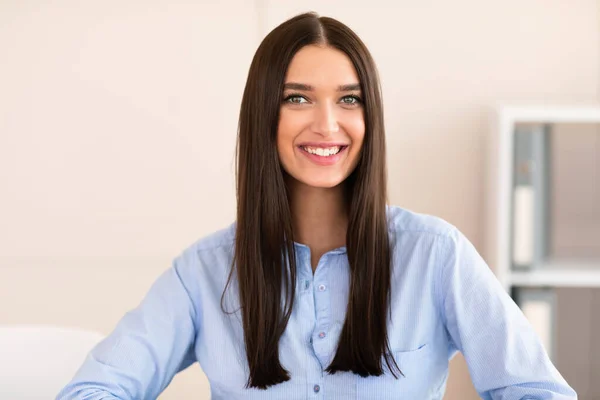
320 288
311 160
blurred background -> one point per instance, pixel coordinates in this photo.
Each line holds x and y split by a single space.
117 133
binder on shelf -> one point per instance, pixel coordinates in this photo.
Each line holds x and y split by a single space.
530 217
539 307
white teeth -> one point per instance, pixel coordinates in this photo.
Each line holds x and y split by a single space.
321 151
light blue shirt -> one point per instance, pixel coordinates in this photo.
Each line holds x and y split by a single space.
444 299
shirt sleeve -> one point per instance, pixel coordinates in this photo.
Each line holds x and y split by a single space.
504 355
149 345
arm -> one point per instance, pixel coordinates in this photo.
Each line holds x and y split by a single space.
505 357
147 348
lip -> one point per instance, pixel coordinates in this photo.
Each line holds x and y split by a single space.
321 160
323 145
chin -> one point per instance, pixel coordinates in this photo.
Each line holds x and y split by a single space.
324 183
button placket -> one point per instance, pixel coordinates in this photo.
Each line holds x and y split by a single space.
314 373
321 344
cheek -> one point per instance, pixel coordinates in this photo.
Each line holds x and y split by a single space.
356 131
286 132
287 127
291 124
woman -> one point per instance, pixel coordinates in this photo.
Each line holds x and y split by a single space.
321 290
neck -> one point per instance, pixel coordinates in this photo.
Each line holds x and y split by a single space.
319 216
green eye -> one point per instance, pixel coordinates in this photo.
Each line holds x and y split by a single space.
295 99
351 100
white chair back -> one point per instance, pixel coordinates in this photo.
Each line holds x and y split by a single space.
36 361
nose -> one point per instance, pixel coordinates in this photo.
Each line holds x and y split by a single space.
325 122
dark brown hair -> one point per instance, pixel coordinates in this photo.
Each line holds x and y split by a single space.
264 254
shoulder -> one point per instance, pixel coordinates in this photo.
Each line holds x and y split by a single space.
213 252
409 228
433 236
204 263
405 221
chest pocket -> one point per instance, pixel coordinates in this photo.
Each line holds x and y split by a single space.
414 364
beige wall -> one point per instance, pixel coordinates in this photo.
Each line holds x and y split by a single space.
118 119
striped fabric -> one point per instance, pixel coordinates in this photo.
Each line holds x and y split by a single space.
444 299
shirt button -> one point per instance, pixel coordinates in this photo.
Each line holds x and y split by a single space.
322 335
322 288
316 388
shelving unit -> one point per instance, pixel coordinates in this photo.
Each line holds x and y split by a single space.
557 293
499 202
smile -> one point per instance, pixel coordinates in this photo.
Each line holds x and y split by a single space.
323 156
323 152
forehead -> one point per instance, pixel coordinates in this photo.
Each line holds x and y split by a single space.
321 66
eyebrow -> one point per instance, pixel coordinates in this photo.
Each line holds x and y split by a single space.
308 88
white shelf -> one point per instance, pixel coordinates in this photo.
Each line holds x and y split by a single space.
549 113
570 278
559 273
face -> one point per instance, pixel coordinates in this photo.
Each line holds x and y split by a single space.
321 126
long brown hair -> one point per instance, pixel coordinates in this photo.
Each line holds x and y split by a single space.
264 254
